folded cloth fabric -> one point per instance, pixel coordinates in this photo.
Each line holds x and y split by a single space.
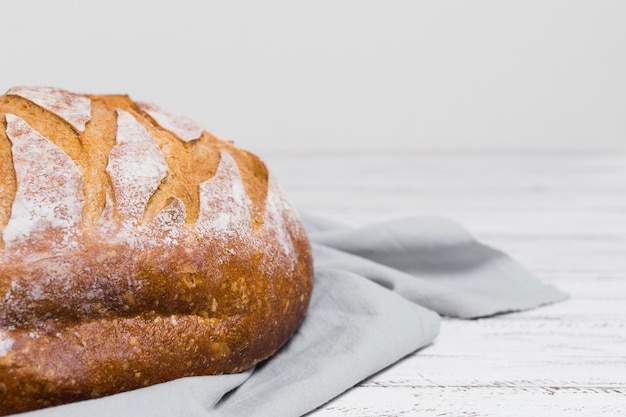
379 293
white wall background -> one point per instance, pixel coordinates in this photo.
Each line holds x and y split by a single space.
337 74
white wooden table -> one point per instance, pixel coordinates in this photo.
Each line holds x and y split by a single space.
562 215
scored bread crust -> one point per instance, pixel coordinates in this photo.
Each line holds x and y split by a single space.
135 248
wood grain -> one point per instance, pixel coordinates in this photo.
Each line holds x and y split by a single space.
562 215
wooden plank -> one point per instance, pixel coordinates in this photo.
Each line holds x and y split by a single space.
499 367
484 401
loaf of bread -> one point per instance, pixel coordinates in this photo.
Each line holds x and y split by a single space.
136 248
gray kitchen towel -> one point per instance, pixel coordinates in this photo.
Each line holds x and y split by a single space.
378 296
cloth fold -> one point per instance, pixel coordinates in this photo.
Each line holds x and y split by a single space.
433 262
378 296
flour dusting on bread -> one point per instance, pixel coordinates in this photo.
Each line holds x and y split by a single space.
181 126
49 192
167 228
136 167
6 343
73 108
224 204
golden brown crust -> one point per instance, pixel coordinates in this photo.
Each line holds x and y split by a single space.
193 264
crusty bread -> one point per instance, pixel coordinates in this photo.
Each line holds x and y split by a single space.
135 248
